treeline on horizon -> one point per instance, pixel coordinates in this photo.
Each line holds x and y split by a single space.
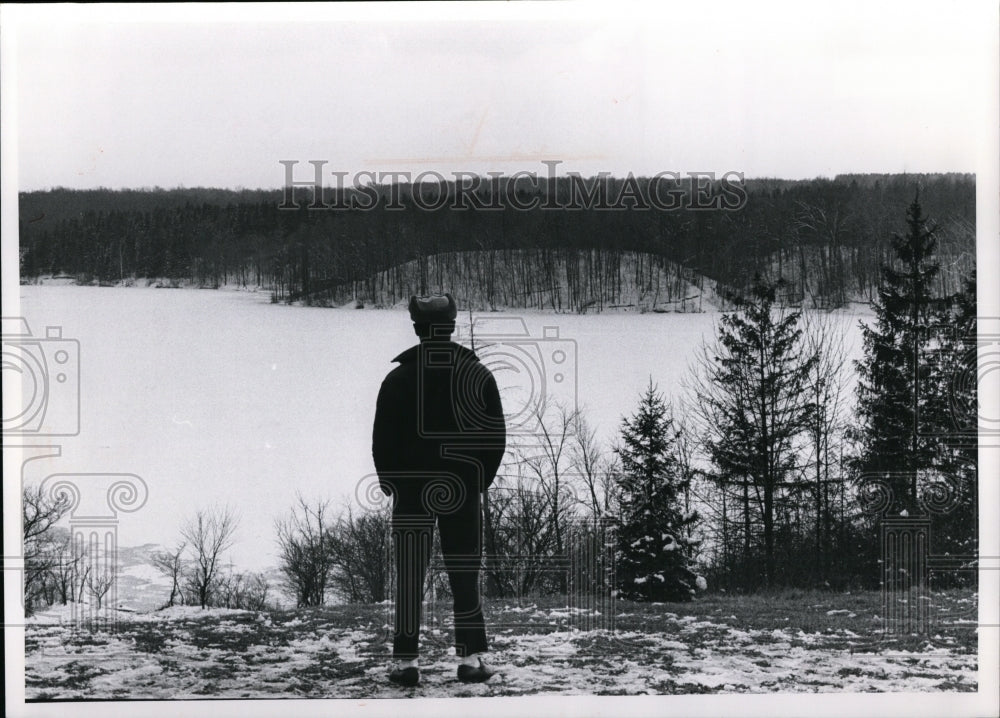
828 236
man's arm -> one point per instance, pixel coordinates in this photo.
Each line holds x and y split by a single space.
497 442
385 428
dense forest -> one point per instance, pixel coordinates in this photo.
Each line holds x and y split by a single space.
378 244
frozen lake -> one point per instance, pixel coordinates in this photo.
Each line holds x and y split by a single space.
217 397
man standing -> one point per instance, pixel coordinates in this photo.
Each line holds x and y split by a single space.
438 440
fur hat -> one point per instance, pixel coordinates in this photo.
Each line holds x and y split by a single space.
433 310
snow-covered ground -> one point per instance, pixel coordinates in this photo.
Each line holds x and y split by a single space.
220 397
342 653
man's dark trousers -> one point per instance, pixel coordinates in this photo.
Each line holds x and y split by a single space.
417 506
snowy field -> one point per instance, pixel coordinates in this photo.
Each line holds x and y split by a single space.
796 642
216 397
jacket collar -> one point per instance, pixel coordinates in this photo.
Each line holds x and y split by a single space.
411 353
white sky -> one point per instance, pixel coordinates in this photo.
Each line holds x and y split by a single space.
181 97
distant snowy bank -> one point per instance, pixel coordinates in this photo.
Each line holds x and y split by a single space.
710 304
69 613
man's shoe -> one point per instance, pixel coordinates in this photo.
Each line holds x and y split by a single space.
477 673
405 673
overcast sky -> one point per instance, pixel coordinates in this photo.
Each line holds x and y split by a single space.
768 90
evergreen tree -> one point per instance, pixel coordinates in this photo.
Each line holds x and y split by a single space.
892 449
654 558
754 405
950 419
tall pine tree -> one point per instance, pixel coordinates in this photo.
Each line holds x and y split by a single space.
754 406
950 373
893 451
654 559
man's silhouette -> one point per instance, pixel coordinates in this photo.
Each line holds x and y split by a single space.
437 443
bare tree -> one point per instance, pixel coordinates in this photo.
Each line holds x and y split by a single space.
257 590
594 468
207 534
497 503
826 386
359 548
39 515
543 482
81 581
247 591
686 450
532 534
66 565
99 584
172 565
546 457
826 228
305 553
39 512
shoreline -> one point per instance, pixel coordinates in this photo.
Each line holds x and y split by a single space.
854 307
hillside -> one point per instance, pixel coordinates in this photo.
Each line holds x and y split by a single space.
560 282
537 250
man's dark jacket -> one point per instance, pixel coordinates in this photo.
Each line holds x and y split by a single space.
438 414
